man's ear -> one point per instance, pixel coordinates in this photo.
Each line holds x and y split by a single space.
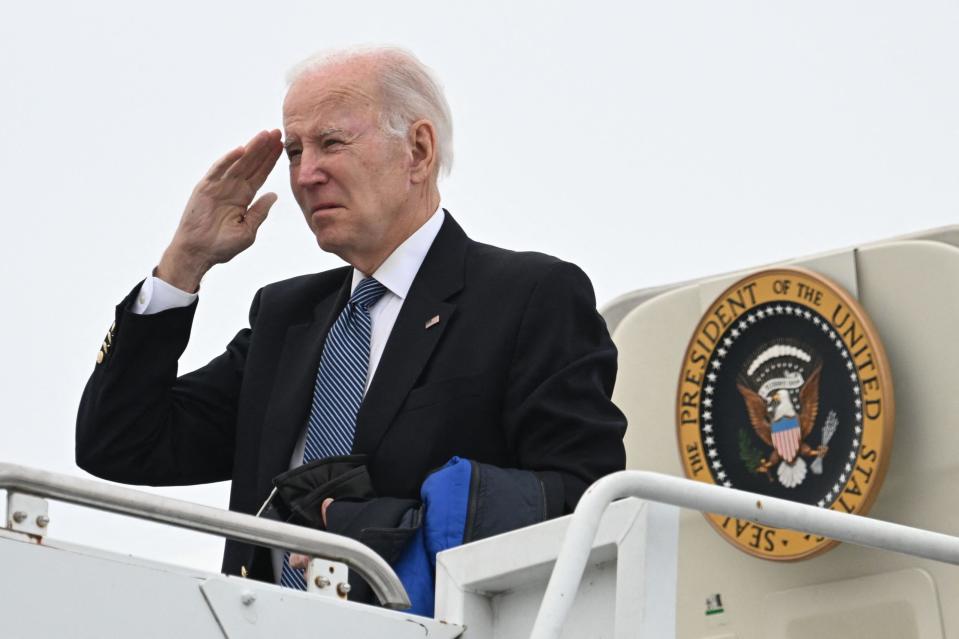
423 147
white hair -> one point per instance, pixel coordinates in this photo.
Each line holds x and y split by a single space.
410 89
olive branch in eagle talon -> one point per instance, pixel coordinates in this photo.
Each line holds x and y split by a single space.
764 415
749 454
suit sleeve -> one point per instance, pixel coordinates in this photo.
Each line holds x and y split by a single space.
559 416
139 423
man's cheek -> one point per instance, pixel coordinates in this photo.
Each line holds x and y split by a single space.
297 195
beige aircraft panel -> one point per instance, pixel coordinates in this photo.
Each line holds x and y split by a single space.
909 288
615 310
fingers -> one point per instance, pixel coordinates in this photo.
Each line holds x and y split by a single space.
262 144
220 166
259 175
323 507
260 151
299 561
260 209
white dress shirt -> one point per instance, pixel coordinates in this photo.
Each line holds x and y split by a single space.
396 274
156 295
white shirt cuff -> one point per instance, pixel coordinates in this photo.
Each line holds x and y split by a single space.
155 296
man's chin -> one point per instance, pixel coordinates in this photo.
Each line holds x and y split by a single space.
325 243
329 244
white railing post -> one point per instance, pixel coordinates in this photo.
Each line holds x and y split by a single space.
769 511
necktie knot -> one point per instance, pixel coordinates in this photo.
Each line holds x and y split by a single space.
367 293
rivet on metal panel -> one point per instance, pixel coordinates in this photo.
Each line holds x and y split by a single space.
343 589
247 598
323 575
26 512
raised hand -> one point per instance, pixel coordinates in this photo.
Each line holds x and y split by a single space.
221 218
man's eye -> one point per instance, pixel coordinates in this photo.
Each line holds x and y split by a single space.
293 154
331 142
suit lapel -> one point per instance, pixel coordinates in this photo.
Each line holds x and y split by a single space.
415 334
293 387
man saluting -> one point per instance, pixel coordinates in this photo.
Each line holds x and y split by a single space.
425 347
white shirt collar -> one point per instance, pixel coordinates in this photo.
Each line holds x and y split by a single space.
399 269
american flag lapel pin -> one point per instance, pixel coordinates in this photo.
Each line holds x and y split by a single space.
433 321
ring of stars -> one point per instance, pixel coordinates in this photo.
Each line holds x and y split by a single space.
715 364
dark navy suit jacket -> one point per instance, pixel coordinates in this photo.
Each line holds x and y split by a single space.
517 373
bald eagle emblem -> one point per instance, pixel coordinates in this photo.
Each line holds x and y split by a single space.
776 419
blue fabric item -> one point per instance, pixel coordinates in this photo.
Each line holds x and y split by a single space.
445 495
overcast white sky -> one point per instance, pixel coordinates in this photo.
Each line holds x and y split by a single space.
648 142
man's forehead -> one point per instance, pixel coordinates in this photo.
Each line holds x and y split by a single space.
329 94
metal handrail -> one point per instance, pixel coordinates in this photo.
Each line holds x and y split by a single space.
184 514
685 493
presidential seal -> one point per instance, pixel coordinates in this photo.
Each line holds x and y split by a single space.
785 391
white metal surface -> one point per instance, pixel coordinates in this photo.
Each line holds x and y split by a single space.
54 589
328 578
248 612
373 568
903 604
47 592
703 497
27 514
494 587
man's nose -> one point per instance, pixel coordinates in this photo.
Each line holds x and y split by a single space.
311 170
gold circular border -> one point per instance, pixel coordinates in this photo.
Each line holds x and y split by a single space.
882 373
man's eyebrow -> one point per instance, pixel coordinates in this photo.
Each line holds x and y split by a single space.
322 133
329 131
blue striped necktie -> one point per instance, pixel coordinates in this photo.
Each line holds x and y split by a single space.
339 388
